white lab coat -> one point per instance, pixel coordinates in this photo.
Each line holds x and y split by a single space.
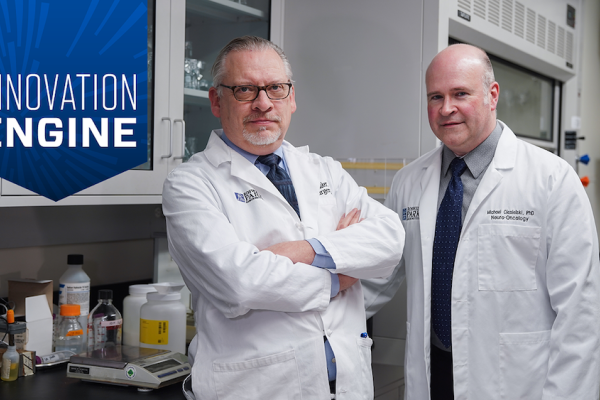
525 293
260 318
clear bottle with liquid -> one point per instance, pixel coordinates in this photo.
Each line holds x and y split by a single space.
105 324
10 359
69 333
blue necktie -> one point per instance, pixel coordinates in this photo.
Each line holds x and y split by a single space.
280 179
447 234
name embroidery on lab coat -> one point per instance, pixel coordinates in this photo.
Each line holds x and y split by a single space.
248 196
324 189
510 215
410 213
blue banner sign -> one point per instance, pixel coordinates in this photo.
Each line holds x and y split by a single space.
73 92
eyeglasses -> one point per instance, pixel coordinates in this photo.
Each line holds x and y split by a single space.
274 91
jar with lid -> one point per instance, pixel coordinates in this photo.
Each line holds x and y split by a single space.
163 319
131 313
69 333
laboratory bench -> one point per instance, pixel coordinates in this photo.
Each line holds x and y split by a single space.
52 384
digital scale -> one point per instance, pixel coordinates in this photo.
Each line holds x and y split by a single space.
144 368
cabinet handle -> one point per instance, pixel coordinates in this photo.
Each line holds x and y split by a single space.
182 138
170 138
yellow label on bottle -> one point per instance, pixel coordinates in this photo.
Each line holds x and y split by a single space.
154 332
78 332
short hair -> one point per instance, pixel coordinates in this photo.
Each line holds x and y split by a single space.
488 74
245 43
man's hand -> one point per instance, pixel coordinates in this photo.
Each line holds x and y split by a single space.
346 281
297 251
349 219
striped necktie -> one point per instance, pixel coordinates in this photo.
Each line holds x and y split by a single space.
280 178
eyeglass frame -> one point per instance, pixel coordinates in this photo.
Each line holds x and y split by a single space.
260 88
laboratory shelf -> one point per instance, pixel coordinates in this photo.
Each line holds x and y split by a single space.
225 10
196 97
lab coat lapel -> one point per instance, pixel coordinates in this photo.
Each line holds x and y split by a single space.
300 167
430 186
504 159
218 152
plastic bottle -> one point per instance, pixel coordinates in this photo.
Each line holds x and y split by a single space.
10 359
131 313
69 333
74 288
163 319
105 324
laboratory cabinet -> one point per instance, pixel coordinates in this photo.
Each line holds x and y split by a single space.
184 37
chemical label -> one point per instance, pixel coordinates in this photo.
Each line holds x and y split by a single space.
75 293
154 332
78 332
116 322
6 368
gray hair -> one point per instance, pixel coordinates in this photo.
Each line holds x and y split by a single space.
488 75
245 43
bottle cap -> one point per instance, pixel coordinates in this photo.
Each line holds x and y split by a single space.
70 310
75 259
105 294
141 289
10 316
163 296
168 287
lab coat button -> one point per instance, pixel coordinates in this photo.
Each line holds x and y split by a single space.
299 225
329 332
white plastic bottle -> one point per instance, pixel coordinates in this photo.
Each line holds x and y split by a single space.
69 333
74 288
163 319
132 305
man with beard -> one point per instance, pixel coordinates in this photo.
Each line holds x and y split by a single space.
269 239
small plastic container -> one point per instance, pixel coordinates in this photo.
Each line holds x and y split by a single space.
69 333
163 319
132 305
9 371
105 324
10 364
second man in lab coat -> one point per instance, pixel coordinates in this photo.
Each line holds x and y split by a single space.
501 256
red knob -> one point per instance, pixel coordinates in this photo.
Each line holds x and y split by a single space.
585 181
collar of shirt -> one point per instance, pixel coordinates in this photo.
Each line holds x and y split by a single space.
253 157
479 158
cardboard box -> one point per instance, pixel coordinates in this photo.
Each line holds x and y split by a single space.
19 289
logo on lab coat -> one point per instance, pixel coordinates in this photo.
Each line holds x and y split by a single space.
410 213
248 196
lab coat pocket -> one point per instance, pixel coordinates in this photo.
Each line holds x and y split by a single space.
270 377
506 257
327 214
523 364
364 352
